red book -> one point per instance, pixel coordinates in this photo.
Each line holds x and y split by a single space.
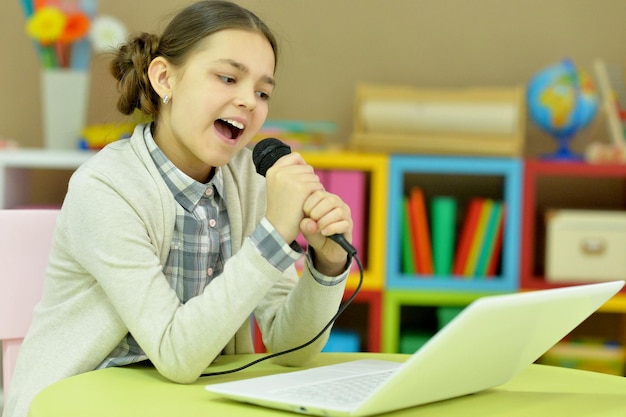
467 235
412 232
408 262
421 232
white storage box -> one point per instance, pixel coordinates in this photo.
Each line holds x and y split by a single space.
585 245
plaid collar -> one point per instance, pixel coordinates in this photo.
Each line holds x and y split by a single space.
186 191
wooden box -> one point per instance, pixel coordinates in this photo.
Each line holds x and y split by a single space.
472 121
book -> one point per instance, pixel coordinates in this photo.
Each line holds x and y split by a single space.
609 102
351 186
494 261
465 238
478 238
443 221
489 240
323 176
408 266
412 227
421 232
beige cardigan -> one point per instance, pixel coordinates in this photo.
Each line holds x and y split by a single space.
105 279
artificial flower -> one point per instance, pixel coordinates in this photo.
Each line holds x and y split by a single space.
107 33
76 27
46 25
66 32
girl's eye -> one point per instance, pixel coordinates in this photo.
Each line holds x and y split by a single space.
227 79
263 96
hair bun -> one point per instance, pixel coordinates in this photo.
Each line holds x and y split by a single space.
130 69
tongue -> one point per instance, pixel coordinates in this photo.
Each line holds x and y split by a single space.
225 129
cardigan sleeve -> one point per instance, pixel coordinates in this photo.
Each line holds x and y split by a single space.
116 246
296 307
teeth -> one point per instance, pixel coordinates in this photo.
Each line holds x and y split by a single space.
234 123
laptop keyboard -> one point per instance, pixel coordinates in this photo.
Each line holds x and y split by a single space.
340 392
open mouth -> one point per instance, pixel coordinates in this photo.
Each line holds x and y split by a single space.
229 128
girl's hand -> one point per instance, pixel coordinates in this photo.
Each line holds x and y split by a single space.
290 182
325 214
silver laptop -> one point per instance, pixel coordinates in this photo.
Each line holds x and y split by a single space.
489 342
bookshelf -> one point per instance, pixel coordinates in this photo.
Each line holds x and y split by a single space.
364 318
555 185
390 299
364 315
424 295
463 179
395 301
375 166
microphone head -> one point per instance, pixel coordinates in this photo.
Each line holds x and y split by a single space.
267 152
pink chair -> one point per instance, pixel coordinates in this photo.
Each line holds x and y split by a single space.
25 242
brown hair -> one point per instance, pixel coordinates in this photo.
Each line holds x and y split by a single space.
180 37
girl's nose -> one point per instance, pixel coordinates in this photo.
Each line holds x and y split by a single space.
246 98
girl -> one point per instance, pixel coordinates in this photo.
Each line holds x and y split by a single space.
169 241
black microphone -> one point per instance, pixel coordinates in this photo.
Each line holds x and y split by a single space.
270 150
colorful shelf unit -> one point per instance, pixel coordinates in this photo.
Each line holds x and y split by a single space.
564 185
395 300
375 166
570 185
463 179
342 172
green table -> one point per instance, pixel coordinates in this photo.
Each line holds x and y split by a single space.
137 391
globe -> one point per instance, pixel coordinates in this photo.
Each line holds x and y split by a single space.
562 100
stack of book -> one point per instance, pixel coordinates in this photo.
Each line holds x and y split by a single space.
432 246
589 355
298 134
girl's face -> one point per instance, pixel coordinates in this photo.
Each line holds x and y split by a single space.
218 101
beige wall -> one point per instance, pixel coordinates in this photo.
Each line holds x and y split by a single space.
328 46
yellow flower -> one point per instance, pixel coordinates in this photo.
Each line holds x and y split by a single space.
46 25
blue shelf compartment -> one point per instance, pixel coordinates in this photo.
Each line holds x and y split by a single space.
509 169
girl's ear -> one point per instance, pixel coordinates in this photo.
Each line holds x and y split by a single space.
159 73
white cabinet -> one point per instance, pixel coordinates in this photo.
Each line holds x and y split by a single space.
17 164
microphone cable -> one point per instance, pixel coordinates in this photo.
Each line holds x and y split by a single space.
317 336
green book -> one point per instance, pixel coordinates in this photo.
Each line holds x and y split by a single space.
408 267
443 222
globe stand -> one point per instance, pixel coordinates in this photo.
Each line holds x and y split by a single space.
564 153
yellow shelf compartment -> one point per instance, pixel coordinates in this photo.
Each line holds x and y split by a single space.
376 165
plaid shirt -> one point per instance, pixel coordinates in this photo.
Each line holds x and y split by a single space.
201 243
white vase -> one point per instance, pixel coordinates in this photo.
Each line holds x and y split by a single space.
64 99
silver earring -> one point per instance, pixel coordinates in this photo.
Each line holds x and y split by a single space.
166 99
